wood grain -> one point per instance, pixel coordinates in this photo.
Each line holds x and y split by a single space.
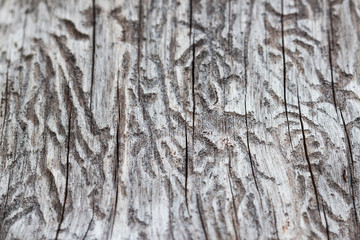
220 119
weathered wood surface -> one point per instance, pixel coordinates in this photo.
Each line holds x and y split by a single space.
236 119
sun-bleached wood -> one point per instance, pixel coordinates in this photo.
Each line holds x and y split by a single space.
222 119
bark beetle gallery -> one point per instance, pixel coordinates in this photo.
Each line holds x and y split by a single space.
169 119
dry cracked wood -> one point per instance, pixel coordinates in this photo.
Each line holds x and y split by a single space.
165 119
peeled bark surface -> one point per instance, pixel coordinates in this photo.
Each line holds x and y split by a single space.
168 119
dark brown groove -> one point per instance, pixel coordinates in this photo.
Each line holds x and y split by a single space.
192 42
249 151
186 167
67 176
117 160
93 50
331 47
117 153
201 218
332 74
193 98
284 69
326 224
233 200
6 97
351 167
307 155
331 43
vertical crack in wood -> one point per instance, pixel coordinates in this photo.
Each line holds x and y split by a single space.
326 223
192 42
246 43
331 43
351 168
249 151
284 69
66 177
235 223
307 155
201 217
117 155
332 73
6 99
93 51
233 200
331 47
193 99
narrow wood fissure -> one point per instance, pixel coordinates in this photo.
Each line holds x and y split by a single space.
67 175
326 224
284 69
351 168
193 99
249 151
203 225
117 155
93 51
332 73
235 220
306 154
331 43
331 47
192 42
246 43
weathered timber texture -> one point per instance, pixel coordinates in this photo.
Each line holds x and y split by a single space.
169 119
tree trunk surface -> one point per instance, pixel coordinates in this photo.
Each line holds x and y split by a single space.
169 119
